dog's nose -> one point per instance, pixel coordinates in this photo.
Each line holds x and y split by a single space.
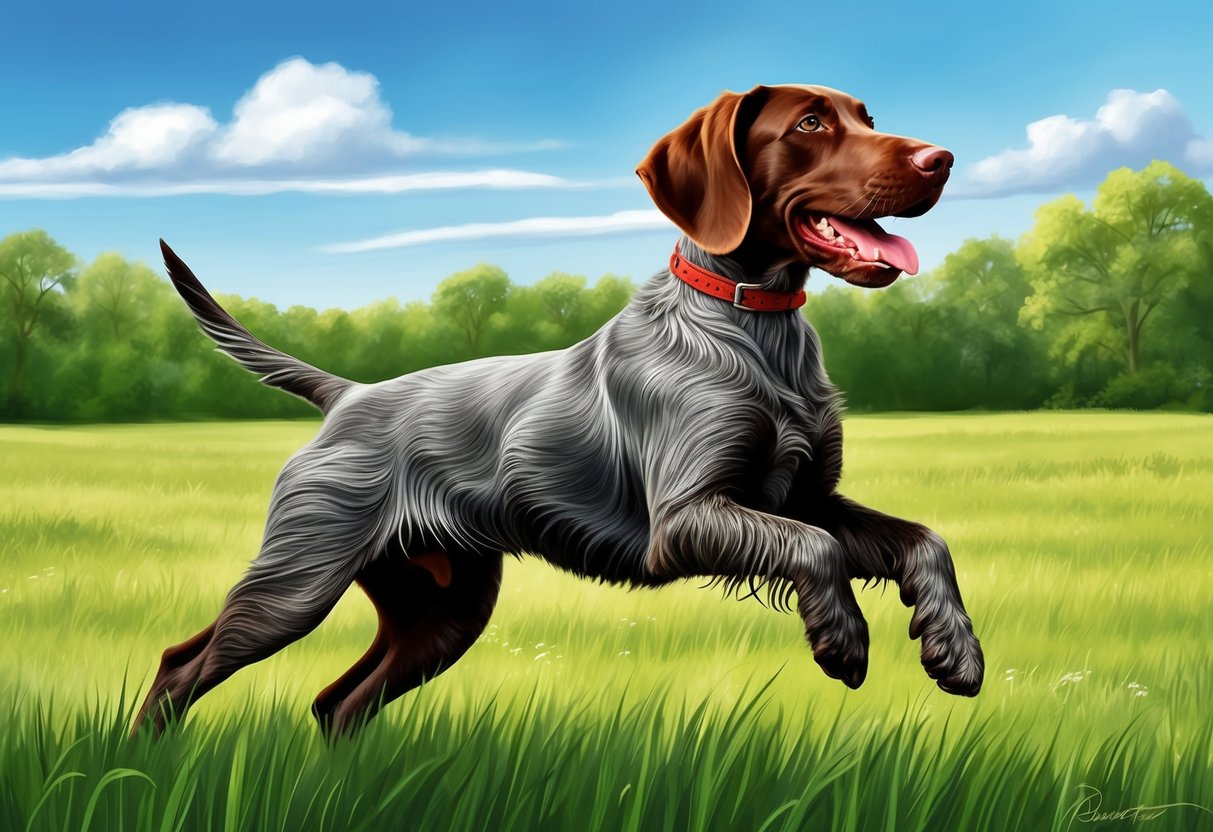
933 161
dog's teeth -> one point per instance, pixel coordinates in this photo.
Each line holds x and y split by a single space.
828 233
875 254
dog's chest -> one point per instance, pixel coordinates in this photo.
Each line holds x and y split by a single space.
807 414
790 444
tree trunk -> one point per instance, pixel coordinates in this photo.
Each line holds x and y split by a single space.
18 378
1134 332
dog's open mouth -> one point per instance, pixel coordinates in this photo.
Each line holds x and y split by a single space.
864 241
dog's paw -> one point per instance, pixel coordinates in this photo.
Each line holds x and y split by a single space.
951 654
842 650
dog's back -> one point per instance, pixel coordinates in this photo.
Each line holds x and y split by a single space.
509 453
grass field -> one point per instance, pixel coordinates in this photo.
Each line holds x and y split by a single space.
1083 545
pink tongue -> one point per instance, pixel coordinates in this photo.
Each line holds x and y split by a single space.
868 236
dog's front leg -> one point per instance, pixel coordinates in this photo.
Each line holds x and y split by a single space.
715 536
881 546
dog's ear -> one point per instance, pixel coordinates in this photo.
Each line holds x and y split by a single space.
695 177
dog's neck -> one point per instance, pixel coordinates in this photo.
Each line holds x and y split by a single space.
780 277
786 339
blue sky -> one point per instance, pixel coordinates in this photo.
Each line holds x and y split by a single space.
273 146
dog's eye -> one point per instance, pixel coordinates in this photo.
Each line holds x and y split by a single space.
809 124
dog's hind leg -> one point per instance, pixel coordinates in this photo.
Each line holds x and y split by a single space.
171 663
398 588
426 623
259 618
316 541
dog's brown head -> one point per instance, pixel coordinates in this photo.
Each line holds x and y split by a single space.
796 174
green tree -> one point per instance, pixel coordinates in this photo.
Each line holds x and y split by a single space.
547 315
119 292
562 298
421 347
1105 271
916 349
470 298
556 312
982 288
1188 322
604 301
840 317
32 268
378 353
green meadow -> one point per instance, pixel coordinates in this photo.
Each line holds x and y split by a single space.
1083 546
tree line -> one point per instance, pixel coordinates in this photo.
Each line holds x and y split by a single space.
1106 305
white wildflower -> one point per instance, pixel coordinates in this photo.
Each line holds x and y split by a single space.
1072 678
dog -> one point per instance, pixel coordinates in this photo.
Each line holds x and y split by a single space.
696 434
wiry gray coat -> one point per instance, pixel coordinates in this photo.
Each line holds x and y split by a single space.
576 454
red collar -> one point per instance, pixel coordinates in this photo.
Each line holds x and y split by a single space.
742 295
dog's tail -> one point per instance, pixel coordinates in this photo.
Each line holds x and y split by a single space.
276 369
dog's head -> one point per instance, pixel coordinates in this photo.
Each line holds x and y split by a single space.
796 174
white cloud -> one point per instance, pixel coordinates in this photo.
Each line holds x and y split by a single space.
303 113
621 221
430 181
1131 128
301 127
141 139
1199 153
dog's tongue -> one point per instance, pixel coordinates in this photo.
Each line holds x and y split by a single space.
870 239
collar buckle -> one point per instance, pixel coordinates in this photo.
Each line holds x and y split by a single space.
738 289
